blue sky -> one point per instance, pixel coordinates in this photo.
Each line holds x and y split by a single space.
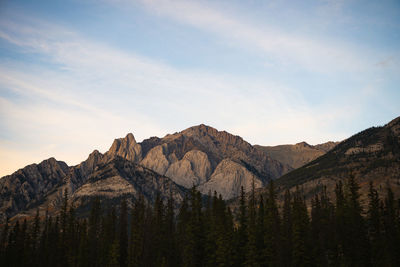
74 75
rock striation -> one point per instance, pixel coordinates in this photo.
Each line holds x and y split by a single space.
28 186
201 155
191 157
228 178
192 170
127 148
120 178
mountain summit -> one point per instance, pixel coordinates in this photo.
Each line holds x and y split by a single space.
199 156
210 159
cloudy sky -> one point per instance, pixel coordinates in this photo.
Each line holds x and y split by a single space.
76 74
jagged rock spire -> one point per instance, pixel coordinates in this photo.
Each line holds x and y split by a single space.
126 148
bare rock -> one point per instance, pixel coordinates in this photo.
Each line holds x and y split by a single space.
29 185
181 173
126 148
193 169
228 178
200 164
156 160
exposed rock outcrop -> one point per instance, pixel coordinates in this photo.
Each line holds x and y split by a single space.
28 186
197 146
228 178
156 160
120 178
126 148
193 169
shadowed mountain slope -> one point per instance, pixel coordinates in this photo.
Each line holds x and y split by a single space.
371 155
297 155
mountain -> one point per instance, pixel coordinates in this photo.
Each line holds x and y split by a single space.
297 155
120 178
371 155
111 176
210 159
27 187
201 155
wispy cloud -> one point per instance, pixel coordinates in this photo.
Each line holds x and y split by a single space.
273 43
95 93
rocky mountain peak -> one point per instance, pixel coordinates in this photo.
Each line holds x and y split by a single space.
303 144
126 148
52 164
95 154
207 134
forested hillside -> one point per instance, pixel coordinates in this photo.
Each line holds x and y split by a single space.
206 233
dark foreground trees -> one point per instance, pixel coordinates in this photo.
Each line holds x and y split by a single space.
203 232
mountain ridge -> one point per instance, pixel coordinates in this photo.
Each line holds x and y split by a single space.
187 158
298 154
372 155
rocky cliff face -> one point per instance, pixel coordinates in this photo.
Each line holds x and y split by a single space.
28 186
191 157
126 148
120 178
297 155
42 185
201 155
228 178
193 169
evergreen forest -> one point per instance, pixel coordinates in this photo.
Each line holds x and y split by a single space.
205 232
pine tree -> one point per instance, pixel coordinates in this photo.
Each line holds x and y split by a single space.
340 222
84 250
136 250
287 230
159 231
108 234
4 245
251 249
170 234
356 246
72 241
93 233
182 225
35 231
115 257
241 233
24 244
14 245
260 232
391 229
210 229
374 219
301 239
123 234
43 250
224 234
272 236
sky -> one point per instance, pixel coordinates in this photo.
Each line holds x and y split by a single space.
76 74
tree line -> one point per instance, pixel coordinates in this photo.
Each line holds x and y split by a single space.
204 232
